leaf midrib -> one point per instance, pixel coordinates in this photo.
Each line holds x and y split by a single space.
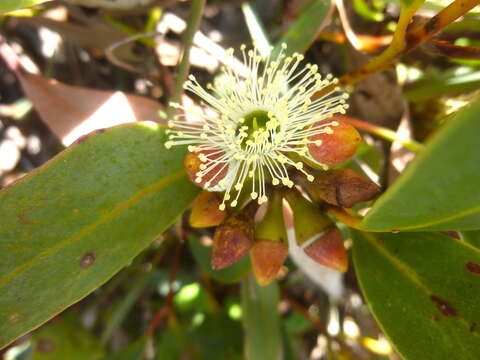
119 208
405 270
458 215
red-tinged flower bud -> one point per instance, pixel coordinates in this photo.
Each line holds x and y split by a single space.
232 240
328 250
271 244
308 220
267 259
205 211
335 146
204 169
342 187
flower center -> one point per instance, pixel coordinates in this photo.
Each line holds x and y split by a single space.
255 129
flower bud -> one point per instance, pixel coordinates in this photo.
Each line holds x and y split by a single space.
205 211
342 187
328 250
267 259
271 244
308 220
232 240
202 169
334 148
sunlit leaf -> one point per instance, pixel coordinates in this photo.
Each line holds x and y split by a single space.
439 190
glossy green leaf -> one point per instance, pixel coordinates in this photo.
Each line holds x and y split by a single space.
10 5
303 32
423 290
472 237
70 225
231 274
440 189
64 338
261 321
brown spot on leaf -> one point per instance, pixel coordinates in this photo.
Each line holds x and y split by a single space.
443 306
473 267
87 260
453 234
473 327
45 345
435 318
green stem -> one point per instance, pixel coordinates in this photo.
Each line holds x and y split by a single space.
192 26
384 133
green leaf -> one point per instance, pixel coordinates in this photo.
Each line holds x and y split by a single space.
439 190
448 82
421 287
303 32
203 256
70 225
261 322
472 237
10 5
65 338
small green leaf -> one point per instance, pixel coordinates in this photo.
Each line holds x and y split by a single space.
440 189
261 322
421 287
303 32
70 225
10 5
231 274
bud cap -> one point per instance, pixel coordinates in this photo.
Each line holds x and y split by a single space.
328 250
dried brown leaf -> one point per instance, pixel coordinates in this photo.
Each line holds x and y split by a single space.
72 111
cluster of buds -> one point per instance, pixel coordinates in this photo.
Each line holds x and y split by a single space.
266 130
237 234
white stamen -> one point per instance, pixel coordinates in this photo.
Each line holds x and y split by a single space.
281 91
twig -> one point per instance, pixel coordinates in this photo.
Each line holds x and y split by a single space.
321 328
383 133
343 216
405 40
347 28
445 48
192 27
110 51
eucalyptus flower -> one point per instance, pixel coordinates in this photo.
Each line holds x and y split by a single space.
264 124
